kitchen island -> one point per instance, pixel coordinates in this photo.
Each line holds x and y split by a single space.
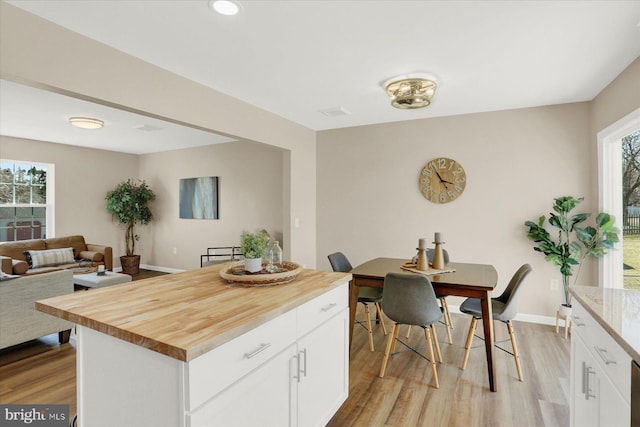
605 343
188 349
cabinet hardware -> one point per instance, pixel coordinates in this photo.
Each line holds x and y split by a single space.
588 387
304 371
260 349
584 377
328 307
297 375
601 352
576 321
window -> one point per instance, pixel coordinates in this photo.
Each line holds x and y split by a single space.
25 200
610 188
631 209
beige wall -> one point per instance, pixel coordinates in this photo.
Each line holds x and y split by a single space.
250 197
82 178
619 98
39 53
516 162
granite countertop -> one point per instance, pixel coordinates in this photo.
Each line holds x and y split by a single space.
185 315
617 311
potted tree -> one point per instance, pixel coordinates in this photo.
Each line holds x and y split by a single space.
128 204
573 243
252 247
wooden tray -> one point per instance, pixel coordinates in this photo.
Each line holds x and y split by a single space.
235 274
83 270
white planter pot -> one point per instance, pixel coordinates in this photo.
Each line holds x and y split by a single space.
564 310
253 265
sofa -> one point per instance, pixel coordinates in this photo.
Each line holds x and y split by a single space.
19 320
39 256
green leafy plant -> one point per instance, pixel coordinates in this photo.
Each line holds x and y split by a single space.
574 243
253 245
129 204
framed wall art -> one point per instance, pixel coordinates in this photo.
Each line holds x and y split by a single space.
199 198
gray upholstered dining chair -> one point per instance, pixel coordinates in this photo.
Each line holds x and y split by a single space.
409 299
366 295
442 298
504 307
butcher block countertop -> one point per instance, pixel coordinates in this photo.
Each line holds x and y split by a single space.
185 315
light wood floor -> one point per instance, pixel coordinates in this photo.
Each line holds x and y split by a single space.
43 372
406 397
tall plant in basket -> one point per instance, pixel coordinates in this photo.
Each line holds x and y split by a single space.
128 203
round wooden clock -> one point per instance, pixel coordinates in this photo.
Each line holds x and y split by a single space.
442 180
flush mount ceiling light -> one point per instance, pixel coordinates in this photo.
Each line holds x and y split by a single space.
86 122
407 92
224 7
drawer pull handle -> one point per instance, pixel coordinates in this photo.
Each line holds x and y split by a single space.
601 352
328 307
260 349
576 320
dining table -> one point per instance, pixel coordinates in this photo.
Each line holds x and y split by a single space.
456 279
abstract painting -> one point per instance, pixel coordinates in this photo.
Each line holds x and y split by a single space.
199 198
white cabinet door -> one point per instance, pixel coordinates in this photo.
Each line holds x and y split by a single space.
584 410
264 397
596 401
324 371
614 410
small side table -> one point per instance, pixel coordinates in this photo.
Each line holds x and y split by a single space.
92 280
567 323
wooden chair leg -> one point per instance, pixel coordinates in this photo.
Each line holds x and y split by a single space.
388 349
369 329
472 330
447 324
445 305
395 338
379 311
435 339
512 335
434 371
408 331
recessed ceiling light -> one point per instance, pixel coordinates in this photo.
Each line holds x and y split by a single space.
224 7
86 122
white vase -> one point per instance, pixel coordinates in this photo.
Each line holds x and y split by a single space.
253 265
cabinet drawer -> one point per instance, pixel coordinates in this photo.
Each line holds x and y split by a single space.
212 372
320 309
614 361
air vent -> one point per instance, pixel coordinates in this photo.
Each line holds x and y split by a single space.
335 112
148 128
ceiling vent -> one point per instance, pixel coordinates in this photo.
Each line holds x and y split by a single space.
335 112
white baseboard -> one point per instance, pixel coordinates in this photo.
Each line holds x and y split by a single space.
152 267
520 317
162 269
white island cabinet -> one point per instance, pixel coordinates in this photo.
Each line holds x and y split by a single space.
218 356
600 365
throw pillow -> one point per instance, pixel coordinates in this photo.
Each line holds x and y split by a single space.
50 257
19 266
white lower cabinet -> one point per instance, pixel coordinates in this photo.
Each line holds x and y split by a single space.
263 398
300 386
289 371
600 373
324 377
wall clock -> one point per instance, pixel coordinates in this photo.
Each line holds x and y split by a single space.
442 180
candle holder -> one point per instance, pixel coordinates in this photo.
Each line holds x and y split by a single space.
423 263
438 256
